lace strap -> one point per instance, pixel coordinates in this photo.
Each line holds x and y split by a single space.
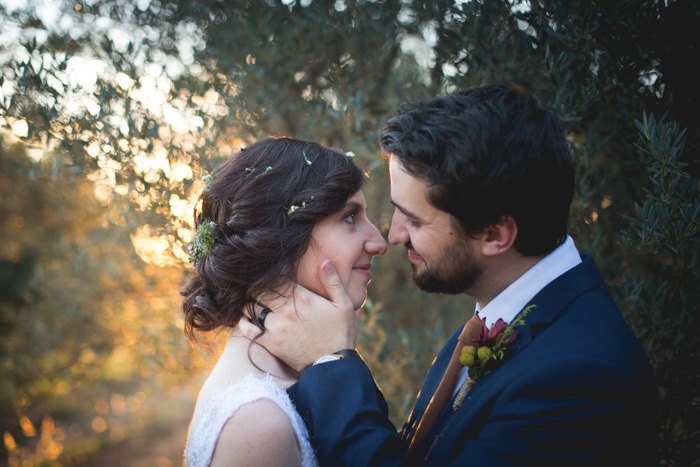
221 406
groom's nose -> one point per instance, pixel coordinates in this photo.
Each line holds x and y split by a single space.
397 231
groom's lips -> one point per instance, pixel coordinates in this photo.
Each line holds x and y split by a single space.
414 257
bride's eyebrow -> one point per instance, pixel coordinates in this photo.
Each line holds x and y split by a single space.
350 205
353 205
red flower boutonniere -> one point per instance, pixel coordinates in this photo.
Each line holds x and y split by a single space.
492 346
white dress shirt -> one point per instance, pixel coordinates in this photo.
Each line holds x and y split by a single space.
513 298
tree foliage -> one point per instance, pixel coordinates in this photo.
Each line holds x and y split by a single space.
602 66
177 86
79 310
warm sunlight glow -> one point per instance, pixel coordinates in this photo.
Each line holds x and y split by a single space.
27 426
152 248
99 425
9 442
20 128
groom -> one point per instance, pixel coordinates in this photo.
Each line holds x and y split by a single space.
481 181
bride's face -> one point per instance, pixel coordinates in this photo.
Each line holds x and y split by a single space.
349 240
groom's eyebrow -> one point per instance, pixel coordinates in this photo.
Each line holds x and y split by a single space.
405 211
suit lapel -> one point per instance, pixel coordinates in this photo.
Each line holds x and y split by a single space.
550 301
555 297
430 384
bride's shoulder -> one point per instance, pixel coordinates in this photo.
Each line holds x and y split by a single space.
248 417
219 398
258 433
250 412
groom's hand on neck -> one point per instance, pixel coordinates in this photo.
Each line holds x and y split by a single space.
303 326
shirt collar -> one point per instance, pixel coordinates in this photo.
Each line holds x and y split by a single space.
513 298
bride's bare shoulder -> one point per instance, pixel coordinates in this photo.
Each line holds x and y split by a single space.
259 433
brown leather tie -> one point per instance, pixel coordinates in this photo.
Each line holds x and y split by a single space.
442 394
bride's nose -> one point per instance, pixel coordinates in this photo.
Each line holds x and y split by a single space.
375 243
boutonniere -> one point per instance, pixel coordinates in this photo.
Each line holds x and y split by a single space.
492 346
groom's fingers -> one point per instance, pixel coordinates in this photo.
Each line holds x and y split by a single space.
248 328
334 287
281 324
347 320
303 325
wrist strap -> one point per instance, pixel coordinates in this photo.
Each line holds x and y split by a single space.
347 353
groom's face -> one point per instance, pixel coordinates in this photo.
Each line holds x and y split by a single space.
443 258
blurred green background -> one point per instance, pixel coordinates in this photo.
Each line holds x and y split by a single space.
112 111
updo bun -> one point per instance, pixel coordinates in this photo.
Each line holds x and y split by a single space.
264 202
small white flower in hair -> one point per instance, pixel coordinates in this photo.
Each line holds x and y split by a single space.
350 154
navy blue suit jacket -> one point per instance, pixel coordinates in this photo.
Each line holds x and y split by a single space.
577 390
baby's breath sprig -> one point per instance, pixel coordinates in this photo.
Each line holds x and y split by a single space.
249 170
295 208
308 162
349 154
265 172
203 241
207 179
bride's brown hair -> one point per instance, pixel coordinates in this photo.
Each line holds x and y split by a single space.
264 202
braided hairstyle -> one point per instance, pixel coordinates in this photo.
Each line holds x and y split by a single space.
264 202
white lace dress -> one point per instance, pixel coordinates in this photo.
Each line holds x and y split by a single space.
222 405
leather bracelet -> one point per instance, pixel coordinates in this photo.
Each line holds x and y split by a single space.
347 353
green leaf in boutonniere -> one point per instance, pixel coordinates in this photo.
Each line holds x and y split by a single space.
492 346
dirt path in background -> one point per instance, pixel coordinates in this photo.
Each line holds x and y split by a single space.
160 446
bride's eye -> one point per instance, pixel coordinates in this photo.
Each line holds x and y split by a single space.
349 216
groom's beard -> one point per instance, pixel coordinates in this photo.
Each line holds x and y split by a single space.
454 272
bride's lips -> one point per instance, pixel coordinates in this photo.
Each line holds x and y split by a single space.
414 257
363 269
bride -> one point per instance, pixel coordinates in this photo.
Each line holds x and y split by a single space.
279 212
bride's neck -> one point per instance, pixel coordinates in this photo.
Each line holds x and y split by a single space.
246 352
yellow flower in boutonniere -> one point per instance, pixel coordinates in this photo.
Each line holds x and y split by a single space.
492 346
468 356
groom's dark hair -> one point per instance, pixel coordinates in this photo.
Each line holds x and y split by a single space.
489 152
